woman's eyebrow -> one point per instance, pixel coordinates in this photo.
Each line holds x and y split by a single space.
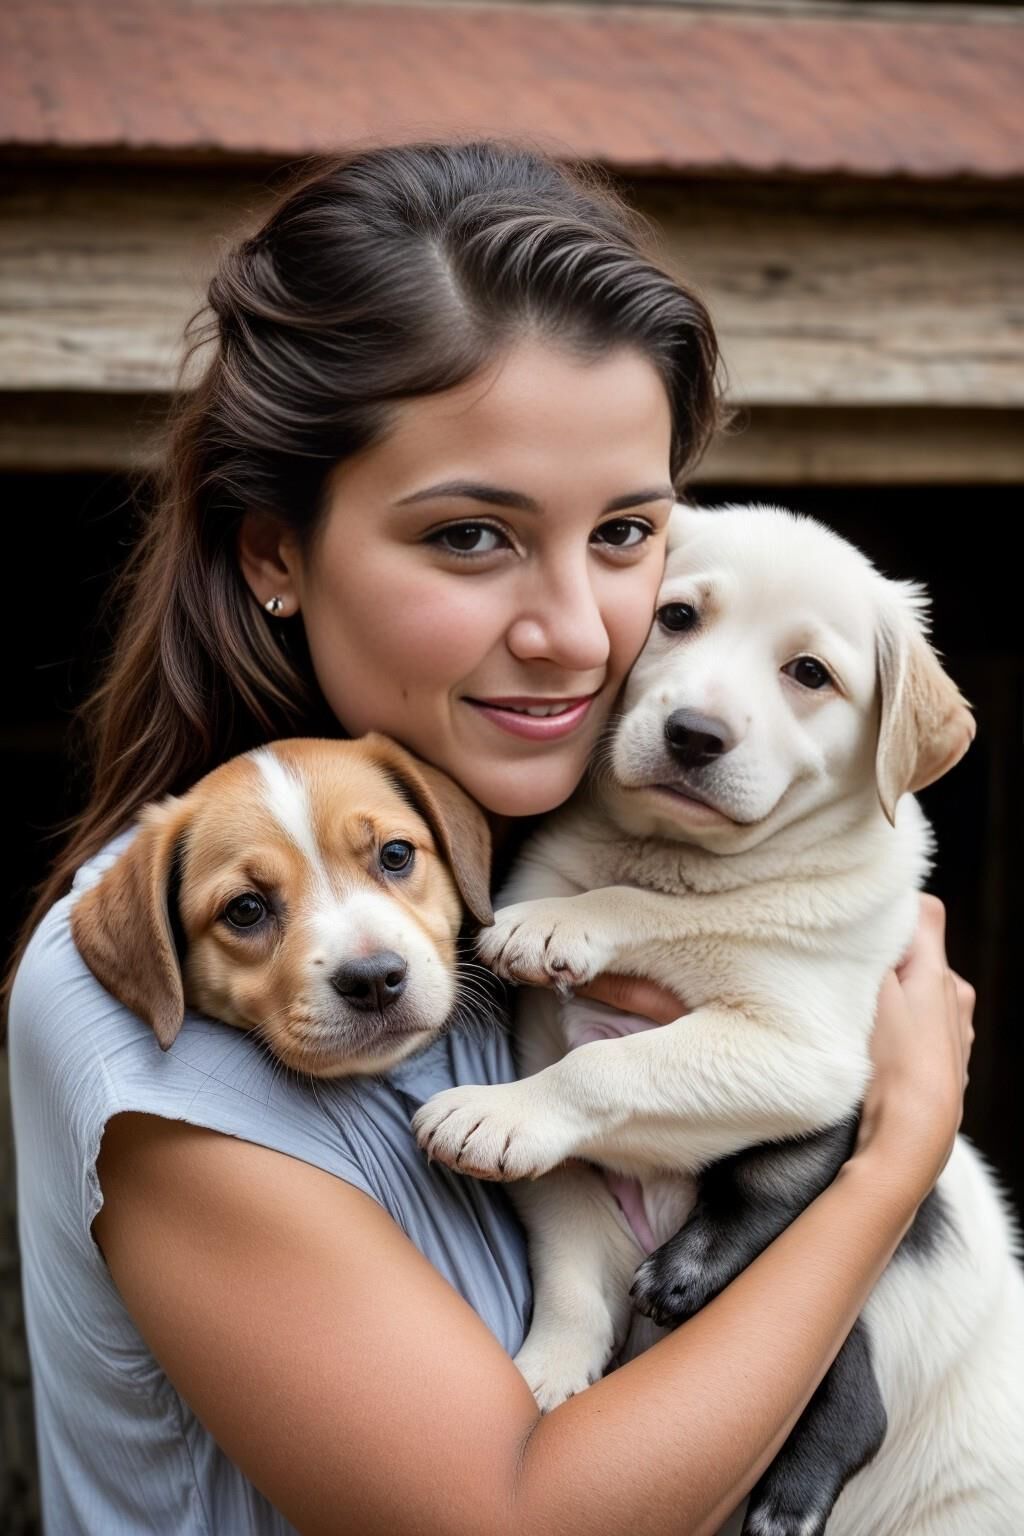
496 496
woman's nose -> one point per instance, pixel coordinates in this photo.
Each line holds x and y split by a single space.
561 621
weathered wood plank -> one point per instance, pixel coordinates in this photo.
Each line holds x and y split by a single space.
99 273
805 445
819 300
830 300
771 445
63 433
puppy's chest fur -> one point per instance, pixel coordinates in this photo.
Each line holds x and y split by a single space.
796 942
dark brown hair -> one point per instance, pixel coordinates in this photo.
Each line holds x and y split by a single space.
392 273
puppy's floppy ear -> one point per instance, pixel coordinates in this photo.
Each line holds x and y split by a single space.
123 926
926 724
456 821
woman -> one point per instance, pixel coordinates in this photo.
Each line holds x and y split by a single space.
422 487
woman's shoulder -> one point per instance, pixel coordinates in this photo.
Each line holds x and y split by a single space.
53 991
60 1018
79 1057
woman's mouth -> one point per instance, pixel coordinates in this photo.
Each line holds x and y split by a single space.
538 719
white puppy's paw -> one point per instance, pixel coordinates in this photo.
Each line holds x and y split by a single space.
544 943
559 1363
493 1132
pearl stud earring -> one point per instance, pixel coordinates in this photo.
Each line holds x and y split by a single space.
274 605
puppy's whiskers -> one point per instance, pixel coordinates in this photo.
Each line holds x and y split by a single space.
479 1009
601 769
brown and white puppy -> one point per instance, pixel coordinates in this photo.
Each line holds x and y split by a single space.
311 891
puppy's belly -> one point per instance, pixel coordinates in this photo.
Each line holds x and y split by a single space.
651 1207
584 1021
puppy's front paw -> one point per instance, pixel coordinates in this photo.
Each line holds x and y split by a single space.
492 1132
543 943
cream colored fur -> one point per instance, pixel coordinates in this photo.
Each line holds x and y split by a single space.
774 909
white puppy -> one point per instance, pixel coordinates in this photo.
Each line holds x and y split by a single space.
750 841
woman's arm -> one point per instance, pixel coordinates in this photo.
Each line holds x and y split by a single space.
359 1392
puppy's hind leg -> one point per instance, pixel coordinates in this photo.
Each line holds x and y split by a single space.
581 1262
839 1432
743 1203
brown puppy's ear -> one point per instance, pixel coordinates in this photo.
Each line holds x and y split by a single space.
926 724
122 925
457 822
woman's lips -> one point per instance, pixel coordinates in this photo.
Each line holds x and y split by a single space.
507 713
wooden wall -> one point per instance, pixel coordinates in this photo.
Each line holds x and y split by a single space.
872 336
870 332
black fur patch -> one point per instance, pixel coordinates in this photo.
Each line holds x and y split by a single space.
837 1434
743 1203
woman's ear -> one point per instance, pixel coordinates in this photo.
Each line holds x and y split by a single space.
926 725
268 559
123 925
457 822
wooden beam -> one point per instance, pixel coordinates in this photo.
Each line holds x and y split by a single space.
841 296
823 296
767 445
74 431
904 446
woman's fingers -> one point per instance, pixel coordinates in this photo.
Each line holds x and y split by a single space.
925 962
921 1043
927 952
966 999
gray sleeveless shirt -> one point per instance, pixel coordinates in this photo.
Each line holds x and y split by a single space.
120 1452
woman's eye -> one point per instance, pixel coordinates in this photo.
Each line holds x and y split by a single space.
468 539
624 533
396 855
677 617
808 673
245 911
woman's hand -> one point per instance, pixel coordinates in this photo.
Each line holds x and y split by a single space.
920 1048
631 994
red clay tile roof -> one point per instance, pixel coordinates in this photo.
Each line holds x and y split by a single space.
643 90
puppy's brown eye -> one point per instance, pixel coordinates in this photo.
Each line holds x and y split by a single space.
396 856
245 911
677 616
808 672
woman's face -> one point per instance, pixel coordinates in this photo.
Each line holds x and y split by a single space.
498 552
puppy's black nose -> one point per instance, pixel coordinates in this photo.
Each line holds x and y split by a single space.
373 983
695 740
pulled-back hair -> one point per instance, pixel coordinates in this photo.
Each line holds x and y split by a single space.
389 274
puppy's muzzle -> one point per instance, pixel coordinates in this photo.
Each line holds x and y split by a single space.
371 984
696 740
